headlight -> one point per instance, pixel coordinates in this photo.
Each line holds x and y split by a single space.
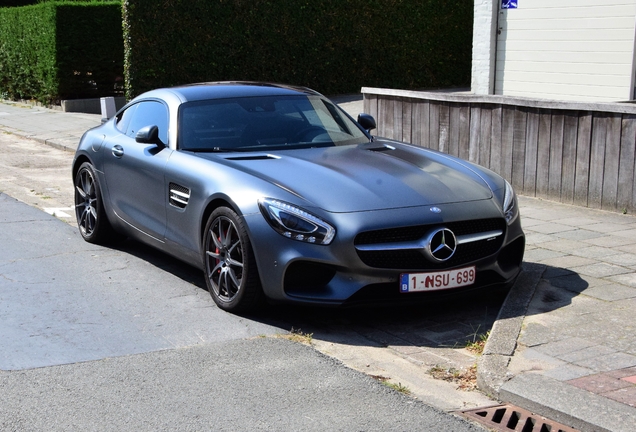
511 211
295 223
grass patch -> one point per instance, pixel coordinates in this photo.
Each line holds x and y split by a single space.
465 379
477 344
297 335
397 387
41 195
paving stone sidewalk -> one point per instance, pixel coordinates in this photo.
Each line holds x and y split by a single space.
56 128
575 358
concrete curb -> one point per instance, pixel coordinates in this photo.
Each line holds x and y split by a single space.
567 404
492 366
535 392
68 143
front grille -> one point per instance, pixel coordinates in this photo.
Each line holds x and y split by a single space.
413 259
413 233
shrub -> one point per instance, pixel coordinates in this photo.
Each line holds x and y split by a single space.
332 46
9 3
27 52
61 49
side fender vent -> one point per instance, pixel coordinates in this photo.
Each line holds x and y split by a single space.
179 196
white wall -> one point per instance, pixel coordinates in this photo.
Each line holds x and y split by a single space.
484 46
580 50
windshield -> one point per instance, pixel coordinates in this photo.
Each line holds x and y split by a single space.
264 123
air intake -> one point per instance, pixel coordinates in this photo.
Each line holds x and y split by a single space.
179 196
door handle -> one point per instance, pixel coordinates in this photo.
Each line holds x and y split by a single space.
118 151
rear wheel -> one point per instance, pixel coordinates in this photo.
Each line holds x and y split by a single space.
230 266
89 207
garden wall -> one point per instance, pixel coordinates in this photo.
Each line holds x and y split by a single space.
576 153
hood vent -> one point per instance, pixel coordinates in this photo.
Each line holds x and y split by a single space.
381 148
179 196
253 157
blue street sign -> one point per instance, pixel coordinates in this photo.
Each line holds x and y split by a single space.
509 4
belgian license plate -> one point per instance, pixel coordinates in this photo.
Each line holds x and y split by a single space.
415 282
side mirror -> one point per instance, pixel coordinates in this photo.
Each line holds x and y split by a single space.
149 135
367 122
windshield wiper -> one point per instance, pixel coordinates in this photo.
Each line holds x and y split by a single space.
217 149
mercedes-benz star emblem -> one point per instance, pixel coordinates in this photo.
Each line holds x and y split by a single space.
440 245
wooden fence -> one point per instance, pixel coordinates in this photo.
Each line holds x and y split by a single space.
576 153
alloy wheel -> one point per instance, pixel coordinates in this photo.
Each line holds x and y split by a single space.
224 258
86 202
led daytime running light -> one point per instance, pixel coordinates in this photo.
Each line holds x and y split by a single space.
309 229
510 204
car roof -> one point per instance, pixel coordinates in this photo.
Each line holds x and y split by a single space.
228 89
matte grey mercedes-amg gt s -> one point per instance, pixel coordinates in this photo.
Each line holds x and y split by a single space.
277 193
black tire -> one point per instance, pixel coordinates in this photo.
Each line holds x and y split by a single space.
230 267
89 207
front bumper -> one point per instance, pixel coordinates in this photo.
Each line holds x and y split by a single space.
338 273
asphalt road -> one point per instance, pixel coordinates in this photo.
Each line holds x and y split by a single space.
259 384
125 338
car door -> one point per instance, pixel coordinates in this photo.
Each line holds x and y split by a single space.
134 171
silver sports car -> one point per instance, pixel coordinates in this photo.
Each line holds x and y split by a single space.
278 194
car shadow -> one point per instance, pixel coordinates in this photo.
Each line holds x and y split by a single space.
441 323
160 260
556 290
445 323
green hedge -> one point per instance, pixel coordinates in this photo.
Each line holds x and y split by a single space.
9 3
90 50
27 53
332 46
61 50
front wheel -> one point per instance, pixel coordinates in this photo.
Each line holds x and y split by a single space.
89 207
230 266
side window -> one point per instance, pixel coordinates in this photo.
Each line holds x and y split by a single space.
148 113
123 119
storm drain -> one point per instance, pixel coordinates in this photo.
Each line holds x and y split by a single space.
512 418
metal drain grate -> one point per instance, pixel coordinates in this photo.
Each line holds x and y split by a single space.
512 418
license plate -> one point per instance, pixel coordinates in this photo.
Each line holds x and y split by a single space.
414 282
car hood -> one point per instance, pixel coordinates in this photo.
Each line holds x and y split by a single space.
366 177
